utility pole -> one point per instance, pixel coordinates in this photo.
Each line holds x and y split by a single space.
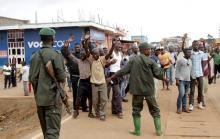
57 17
36 17
99 20
141 35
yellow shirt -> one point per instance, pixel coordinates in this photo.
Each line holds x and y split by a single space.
165 60
97 71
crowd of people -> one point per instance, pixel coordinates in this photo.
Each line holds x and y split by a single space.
197 65
93 73
194 66
12 74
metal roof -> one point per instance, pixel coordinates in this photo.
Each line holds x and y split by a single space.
64 24
3 17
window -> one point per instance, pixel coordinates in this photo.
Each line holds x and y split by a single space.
16 41
13 52
18 51
11 40
12 36
19 60
20 39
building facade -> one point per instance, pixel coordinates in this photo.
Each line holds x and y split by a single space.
175 41
139 39
19 42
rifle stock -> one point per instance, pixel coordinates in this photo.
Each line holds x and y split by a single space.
59 88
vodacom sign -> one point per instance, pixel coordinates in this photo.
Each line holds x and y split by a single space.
36 44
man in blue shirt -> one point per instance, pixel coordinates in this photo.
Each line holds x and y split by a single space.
196 76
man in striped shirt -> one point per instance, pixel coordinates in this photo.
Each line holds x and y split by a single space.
206 67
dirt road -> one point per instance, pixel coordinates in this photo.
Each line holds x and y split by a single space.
200 124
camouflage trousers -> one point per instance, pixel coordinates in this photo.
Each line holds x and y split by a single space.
137 105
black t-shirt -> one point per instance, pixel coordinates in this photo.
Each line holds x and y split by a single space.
71 65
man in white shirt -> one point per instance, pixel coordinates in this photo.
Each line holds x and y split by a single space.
183 71
25 74
116 97
7 74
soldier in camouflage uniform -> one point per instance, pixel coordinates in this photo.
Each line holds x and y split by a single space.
142 70
48 109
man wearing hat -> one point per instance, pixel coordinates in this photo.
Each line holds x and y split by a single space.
142 70
48 108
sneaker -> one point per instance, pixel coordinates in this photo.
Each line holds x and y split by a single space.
200 106
185 110
75 114
102 118
179 111
191 107
120 116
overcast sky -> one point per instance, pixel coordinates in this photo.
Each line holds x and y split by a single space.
154 18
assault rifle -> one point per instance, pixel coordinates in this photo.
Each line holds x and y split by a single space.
60 92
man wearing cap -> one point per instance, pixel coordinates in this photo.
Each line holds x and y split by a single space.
48 108
165 61
142 70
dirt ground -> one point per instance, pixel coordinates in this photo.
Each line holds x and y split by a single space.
17 116
18 119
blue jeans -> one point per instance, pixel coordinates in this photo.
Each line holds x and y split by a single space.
169 74
124 84
183 88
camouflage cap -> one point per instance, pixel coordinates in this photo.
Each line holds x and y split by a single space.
47 32
145 45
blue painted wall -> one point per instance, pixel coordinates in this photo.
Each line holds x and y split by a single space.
3 46
32 39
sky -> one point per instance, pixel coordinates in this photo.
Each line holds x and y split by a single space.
156 19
